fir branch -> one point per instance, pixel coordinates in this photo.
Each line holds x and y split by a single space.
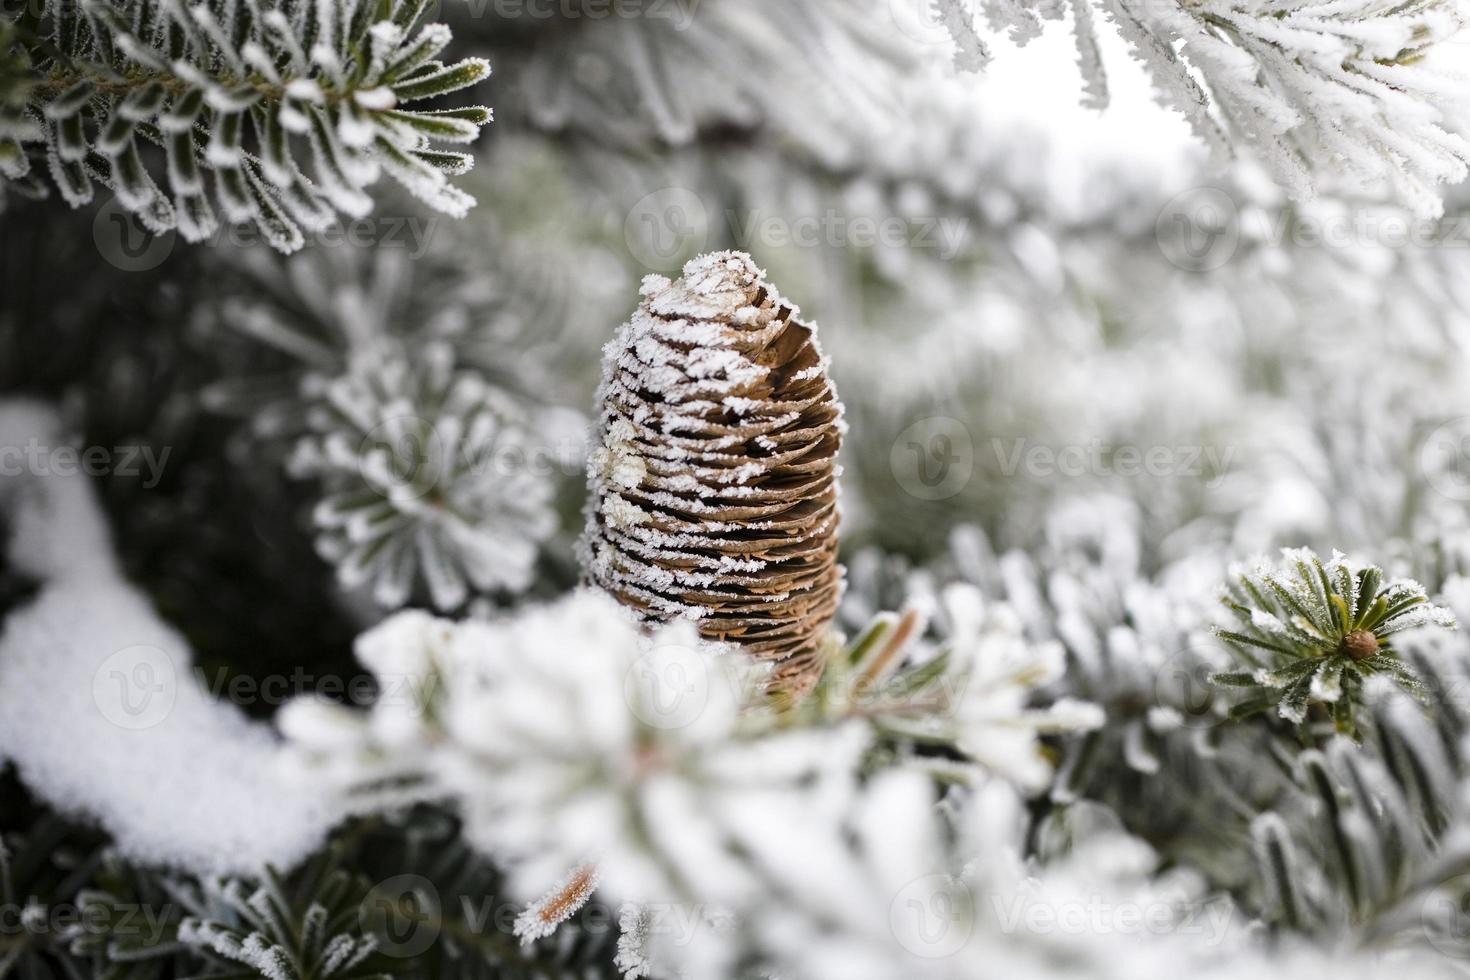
1316 91
229 91
1325 629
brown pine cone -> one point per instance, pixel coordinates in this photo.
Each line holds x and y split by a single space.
714 489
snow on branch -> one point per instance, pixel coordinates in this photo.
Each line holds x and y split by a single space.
1318 90
100 711
292 108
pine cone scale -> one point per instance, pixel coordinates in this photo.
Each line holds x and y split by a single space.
705 440
789 517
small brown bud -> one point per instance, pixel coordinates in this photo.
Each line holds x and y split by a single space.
1360 644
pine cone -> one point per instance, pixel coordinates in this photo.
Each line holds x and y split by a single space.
714 490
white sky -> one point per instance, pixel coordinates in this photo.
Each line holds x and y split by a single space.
1041 86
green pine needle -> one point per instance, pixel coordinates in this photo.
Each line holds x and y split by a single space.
1324 629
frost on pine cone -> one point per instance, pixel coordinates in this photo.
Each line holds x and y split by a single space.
713 492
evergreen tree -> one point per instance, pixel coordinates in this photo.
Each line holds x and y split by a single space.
352 626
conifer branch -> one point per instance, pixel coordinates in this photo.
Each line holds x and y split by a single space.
289 110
